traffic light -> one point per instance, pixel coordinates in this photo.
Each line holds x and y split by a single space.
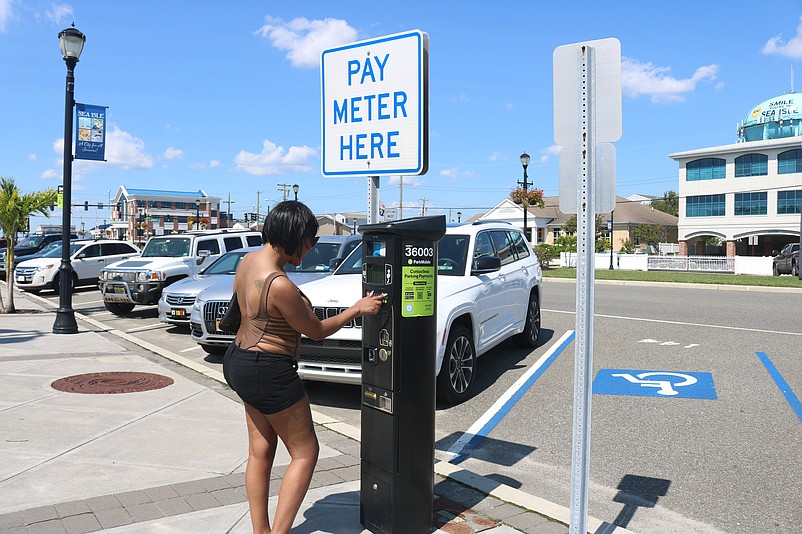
86 205
100 205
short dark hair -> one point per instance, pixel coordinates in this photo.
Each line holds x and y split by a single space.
288 224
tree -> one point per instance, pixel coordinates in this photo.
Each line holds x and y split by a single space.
570 226
668 204
651 234
15 208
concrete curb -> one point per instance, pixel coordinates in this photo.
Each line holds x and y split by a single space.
710 287
477 482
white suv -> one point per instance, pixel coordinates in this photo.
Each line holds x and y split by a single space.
488 290
87 258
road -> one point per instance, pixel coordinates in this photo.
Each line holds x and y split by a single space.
659 464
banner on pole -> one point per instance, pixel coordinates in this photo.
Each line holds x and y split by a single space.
90 132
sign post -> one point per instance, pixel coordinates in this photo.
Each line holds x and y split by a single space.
587 116
375 109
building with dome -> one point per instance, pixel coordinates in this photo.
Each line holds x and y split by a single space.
745 199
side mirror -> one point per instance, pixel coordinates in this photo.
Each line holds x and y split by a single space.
80 256
334 263
202 255
774 252
486 264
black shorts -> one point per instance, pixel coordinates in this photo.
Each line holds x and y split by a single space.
268 382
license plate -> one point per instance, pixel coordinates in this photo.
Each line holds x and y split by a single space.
179 312
120 290
24 279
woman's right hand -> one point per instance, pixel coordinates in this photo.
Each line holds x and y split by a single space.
370 304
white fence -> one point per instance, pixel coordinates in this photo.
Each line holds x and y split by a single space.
707 264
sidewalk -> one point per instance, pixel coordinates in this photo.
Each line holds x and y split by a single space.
172 459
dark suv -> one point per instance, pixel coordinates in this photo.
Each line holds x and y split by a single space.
30 245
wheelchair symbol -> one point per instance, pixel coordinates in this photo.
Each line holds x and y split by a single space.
665 387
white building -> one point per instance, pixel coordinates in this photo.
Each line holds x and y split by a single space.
744 199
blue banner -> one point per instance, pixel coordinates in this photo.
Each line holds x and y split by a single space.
90 132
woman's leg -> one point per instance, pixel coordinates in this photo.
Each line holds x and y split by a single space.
262 443
295 428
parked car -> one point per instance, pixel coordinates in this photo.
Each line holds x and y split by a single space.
87 258
175 304
31 245
211 303
164 261
787 260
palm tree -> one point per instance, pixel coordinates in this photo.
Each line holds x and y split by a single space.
15 208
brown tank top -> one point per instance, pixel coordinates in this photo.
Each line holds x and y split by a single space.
263 327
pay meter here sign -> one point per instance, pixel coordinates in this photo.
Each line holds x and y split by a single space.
374 106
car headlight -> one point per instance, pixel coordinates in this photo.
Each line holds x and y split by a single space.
196 306
147 276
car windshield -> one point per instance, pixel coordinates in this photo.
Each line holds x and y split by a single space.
452 255
167 247
227 264
55 251
317 259
31 242
51 247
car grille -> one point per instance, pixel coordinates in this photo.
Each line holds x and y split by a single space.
179 300
121 276
354 359
26 271
325 313
213 311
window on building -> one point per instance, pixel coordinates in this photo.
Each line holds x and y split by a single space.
180 205
704 206
789 201
706 169
789 162
751 165
751 203
555 234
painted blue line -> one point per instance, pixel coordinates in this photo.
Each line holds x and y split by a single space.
515 396
785 389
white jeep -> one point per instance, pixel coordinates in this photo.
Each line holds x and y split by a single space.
164 260
488 291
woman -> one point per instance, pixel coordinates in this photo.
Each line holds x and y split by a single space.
260 364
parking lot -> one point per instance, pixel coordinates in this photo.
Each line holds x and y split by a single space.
711 447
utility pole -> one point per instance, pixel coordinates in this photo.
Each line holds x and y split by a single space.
284 188
423 206
257 206
228 210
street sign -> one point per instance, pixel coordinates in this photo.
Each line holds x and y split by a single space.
375 106
661 384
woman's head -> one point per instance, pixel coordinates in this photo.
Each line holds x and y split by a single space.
288 224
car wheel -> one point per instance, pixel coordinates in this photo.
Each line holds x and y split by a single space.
774 270
528 338
458 370
119 308
215 350
794 269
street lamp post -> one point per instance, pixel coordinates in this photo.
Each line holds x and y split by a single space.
197 214
295 189
610 232
459 216
71 42
525 184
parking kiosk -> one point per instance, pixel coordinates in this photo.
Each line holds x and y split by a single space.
399 258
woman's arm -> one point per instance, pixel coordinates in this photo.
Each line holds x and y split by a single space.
285 297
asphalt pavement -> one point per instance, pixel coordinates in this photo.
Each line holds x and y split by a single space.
105 432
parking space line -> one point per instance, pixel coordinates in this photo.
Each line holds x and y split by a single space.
785 389
681 323
196 347
482 427
147 327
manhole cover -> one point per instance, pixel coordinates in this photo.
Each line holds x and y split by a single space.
114 382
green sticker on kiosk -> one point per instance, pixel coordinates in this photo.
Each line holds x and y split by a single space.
417 291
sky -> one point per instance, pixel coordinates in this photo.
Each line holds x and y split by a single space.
226 97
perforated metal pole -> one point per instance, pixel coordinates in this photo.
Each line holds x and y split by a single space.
585 277
373 199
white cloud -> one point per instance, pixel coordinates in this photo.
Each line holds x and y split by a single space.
60 13
125 151
201 165
32 157
409 181
508 106
648 79
274 160
791 49
306 39
50 174
548 153
214 163
495 156
5 13
455 173
173 153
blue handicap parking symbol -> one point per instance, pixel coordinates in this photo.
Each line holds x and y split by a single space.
666 384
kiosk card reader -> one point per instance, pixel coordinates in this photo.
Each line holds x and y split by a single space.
399 259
